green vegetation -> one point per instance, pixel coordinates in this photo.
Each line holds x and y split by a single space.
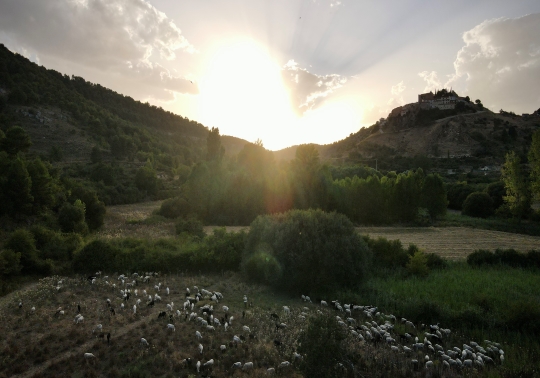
478 205
310 251
509 257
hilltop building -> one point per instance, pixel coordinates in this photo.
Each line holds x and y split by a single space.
442 99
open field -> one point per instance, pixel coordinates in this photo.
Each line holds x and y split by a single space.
449 242
43 343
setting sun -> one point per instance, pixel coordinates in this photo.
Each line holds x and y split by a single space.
242 92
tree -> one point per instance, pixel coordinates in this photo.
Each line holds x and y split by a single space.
418 264
146 179
534 161
16 188
43 188
22 241
94 208
517 187
71 217
434 196
478 205
95 155
10 262
496 190
214 149
16 140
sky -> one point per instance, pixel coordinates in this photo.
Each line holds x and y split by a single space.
287 71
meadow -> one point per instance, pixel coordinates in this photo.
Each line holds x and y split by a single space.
496 303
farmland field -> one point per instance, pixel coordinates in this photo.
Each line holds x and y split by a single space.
449 242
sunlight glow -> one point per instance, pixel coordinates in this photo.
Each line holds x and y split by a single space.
242 93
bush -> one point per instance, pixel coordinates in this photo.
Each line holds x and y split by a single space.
262 266
435 261
190 226
478 205
533 258
388 253
174 208
481 257
219 251
71 218
22 241
10 263
317 251
417 264
97 255
322 346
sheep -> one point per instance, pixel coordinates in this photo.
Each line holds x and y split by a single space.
429 364
225 309
208 363
230 320
79 319
286 310
248 366
198 365
99 327
270 371
324 303
236 339
236 365
144 342
223 348
171 327
200 347
284 364
89 356
246 329
134 309
210 328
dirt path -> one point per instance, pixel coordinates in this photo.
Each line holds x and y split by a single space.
79 351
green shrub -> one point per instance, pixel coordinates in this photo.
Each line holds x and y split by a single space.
481 257
174 208
23 242
190 226
322 345
317 251
417 264
71 217
96 255
435 261
262 267
10 263
220 251
388 253
510 257
478 205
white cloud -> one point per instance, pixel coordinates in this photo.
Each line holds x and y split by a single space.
432 80
398 88
500 60
308 90
127 37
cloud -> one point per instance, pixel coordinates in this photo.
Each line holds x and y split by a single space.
500 60
128 37
308 90
432 80
398 88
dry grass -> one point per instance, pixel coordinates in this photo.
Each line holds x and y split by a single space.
449 242
42 344
453 242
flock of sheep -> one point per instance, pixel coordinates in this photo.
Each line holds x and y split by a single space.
207 313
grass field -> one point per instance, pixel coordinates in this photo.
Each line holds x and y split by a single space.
41 343
449 242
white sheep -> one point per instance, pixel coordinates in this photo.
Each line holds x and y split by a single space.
198 365
89 356
134 309
287 310
223 347
98 328
201 348
284 364
248 366
236 365
246 329
171 327
144 342
270 371
324 303
209 363
225 308
198 335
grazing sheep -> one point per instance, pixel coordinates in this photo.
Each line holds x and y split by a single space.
198 365
236 339
270 371
284 364
248 366
223 348
198 334
225 309
246 329
171 327
200 348
99 327
144 342
89 356
236 365
287 310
